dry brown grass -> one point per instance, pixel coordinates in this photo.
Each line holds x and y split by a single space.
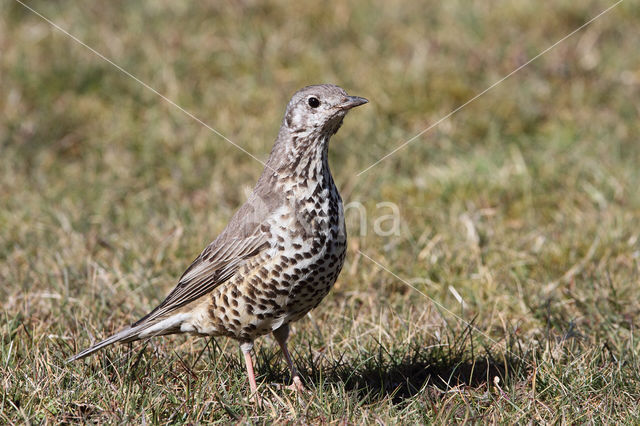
525 204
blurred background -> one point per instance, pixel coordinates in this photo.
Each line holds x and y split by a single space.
519 214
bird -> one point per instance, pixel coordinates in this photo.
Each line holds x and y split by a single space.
280 253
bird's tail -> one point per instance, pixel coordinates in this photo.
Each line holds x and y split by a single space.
127 335
142 330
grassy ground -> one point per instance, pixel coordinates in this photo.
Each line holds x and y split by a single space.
519 216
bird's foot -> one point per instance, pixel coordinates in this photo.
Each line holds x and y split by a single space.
258 400
296 385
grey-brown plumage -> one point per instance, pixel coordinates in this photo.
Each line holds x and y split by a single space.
281 252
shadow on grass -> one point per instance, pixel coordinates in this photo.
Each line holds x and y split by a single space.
404 372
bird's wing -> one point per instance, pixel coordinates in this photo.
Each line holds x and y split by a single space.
245 236
215 265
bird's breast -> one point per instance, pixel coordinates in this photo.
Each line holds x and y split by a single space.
307 245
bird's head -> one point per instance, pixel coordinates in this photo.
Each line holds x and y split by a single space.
318 110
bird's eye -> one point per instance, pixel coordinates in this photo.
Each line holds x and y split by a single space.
314 102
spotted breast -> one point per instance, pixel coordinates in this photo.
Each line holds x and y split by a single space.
306 250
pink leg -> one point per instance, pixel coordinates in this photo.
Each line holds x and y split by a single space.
281 335
246 350
252 377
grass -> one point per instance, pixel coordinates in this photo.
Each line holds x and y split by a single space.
520 215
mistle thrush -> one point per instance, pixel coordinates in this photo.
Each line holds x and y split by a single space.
281 252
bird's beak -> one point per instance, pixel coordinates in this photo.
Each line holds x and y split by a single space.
352 102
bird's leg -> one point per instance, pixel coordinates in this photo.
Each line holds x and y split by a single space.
246 350
281 334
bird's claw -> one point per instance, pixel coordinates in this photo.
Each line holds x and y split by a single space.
296 385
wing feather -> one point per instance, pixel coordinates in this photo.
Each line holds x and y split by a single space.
215 265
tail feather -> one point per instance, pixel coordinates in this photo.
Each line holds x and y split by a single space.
145 330
127 335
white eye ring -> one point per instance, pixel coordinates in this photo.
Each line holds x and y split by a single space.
313 102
